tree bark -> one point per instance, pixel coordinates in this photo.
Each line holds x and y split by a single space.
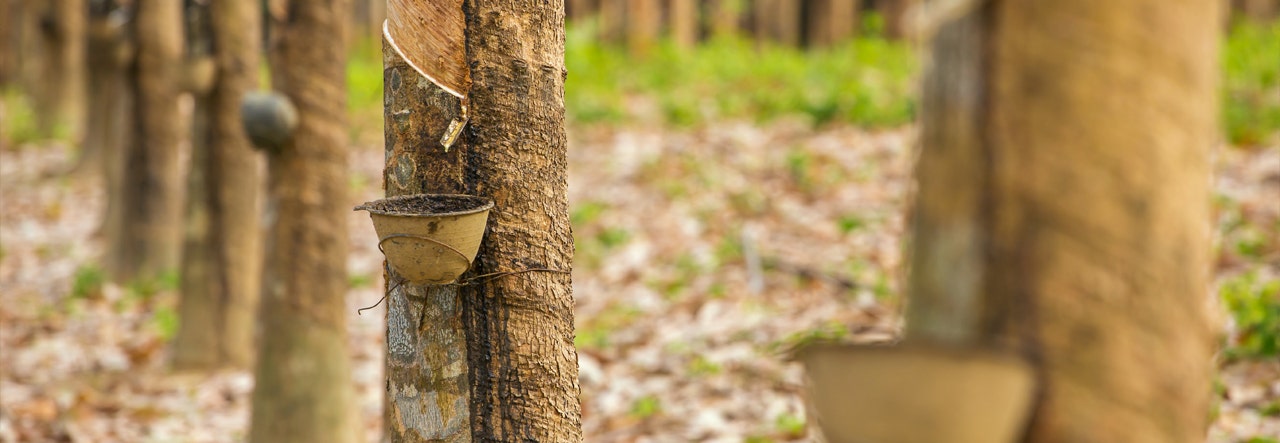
684 22
830 22
221 263
303 391
144 242
493 360
1063 207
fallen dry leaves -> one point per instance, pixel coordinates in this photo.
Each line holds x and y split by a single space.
702 256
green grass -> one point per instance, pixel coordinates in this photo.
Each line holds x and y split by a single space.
868 81
87 282
17 120
1254 304
1251 83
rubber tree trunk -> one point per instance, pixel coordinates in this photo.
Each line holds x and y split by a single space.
59 88
896 14
726 17
778 21
644 22
579 10
684 22
493 360
221 264
144 243
1063 207
108 117
830 22
613 20
55 64
10 11
303 391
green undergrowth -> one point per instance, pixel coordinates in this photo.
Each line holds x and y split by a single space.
1251 83
17 120
868 81
1254 305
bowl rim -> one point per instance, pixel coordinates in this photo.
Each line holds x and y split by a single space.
483 204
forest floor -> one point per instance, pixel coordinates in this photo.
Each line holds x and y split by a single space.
702 256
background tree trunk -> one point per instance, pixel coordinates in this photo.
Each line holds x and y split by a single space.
521 381
831 22
777 21
303 391
222 254
55 62
613 20
684 22
644 21
145 242
726 17
895 14
108 120
579 10
1257 10
1063 207
10 12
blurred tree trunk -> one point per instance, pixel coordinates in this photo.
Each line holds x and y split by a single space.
55 64
1063 207
613 20
831 22
303 391
1257 10
684 22
896 14
366 20
513 334
222 251
579 10
726 17
107 118
10 13
644 21
777 21
144 242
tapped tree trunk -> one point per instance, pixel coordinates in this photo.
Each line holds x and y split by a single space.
492 360
221 257
303 391
144 239
1063 207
